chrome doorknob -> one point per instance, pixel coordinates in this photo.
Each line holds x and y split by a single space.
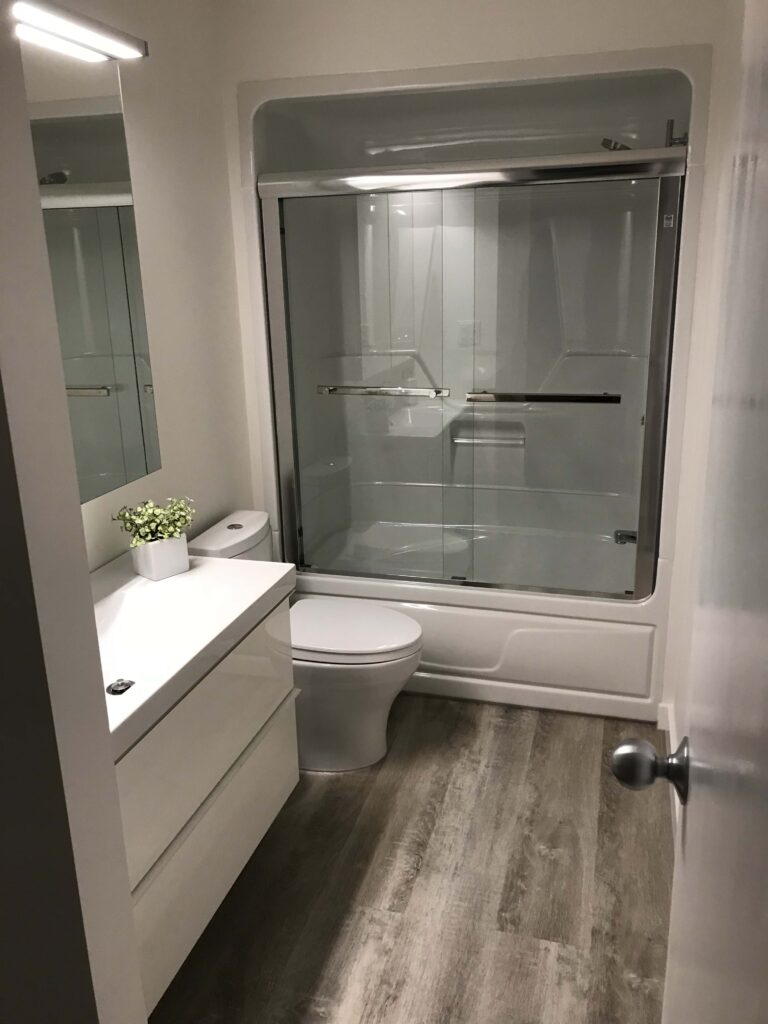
636 765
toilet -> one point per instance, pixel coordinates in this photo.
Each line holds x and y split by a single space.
351 658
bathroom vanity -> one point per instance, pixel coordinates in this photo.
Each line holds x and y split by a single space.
204 736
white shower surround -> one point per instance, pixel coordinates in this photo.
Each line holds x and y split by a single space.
571 653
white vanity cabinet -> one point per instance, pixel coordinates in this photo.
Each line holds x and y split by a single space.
206 758
165 778
181 892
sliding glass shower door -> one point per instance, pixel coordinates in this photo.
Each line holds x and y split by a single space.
366 294
469 380
563 296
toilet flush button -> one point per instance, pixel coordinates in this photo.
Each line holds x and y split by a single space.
234 526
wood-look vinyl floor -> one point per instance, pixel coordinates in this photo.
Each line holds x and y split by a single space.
488 871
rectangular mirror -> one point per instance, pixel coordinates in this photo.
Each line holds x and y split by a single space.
84 177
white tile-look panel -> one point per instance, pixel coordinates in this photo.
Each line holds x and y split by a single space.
509 649
572 654
165 777
179 896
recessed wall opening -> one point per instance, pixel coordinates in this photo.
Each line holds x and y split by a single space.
470 328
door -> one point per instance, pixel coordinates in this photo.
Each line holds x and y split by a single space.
571 324
719 928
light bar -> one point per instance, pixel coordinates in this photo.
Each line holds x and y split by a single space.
73 28
393 182
37 37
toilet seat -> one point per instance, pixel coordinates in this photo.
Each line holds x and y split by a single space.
345 631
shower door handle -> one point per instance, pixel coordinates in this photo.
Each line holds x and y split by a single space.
89 391
525 397
361 389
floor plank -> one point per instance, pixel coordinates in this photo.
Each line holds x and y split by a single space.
488 871
548 887
463 866
429 744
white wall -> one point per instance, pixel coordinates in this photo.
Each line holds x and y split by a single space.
53 77
174 128
66 690
286 38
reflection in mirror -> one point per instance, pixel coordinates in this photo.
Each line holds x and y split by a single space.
85 190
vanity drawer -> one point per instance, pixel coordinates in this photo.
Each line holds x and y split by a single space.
178 897
165 778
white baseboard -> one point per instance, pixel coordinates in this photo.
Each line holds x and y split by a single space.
666 716
545 697
668 723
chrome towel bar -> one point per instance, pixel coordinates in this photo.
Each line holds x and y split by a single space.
491 442
361 389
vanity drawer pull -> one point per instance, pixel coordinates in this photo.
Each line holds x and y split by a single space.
89 391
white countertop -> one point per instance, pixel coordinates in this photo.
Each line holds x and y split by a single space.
167 635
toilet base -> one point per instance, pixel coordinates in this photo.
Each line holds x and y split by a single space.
342 711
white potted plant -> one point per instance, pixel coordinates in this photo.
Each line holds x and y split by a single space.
158 542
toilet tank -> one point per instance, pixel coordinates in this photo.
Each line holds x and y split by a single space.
244 534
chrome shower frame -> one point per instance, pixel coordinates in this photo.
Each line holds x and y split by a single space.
668 165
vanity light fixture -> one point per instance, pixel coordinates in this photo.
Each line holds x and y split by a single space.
39 38
57 29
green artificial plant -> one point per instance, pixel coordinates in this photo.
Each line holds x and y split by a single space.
148 521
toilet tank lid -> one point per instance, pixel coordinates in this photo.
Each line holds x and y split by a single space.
233 535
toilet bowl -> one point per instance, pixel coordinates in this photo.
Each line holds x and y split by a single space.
350 660
351 657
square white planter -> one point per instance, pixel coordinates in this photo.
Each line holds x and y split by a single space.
161 558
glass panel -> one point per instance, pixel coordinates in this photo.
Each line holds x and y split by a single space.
542 294
563 289
365 296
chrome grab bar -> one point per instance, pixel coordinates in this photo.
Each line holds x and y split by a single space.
491 442
361 389
542 397
89 391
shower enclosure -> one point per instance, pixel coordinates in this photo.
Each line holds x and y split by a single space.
470 368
